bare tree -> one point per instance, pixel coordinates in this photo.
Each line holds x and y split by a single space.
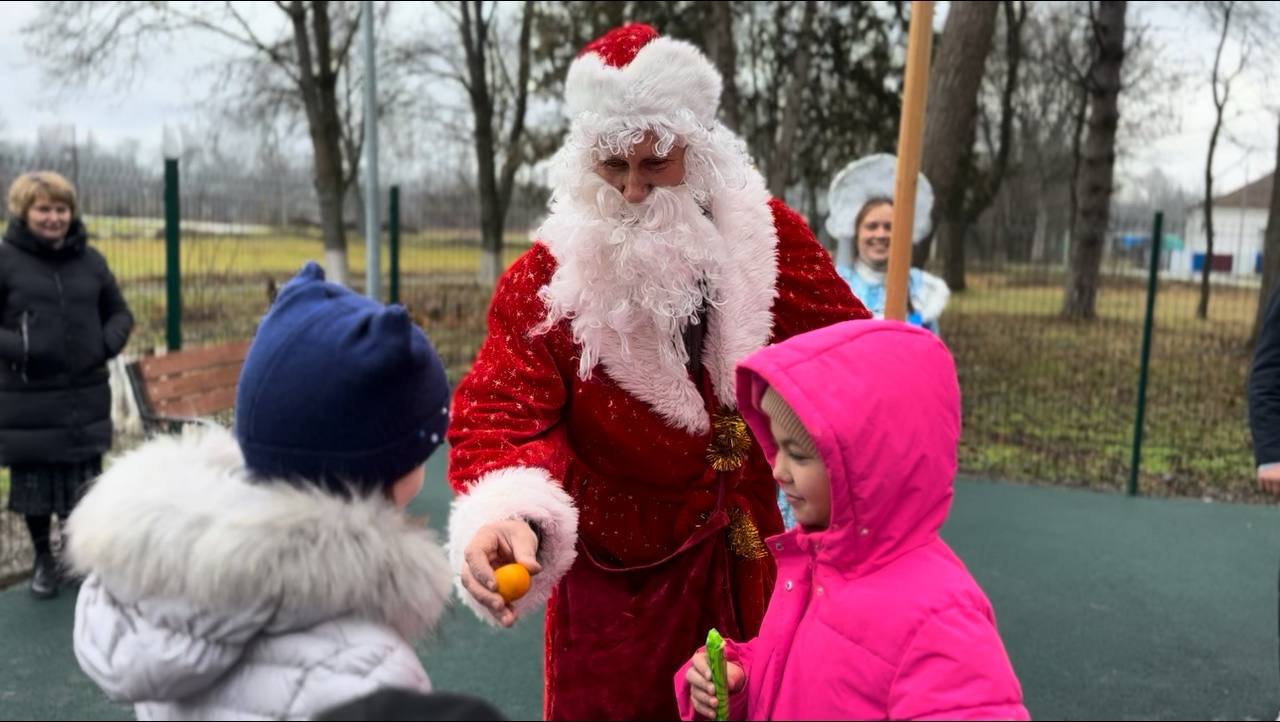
1220 14
779 164
498 97
79 41
954 83
721 44
1033 216
1099 155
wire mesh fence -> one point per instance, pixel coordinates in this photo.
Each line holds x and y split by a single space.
242 236
1052 400
1046 399
440 262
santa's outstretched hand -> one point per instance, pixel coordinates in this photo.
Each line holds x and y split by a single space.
494 545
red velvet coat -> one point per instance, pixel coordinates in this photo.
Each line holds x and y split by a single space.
645 545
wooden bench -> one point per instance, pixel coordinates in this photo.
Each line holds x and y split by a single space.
186 386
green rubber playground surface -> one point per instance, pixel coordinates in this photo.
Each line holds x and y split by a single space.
1110 607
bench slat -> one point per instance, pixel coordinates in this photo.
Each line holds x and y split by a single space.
199 404
188 384
196 358
193 382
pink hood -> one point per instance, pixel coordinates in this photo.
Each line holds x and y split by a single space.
873 395
874 617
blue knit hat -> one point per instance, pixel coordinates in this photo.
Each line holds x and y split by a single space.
338 390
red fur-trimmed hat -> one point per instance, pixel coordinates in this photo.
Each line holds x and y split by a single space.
632 71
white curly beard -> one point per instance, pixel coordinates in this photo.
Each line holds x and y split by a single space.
630 278
629 273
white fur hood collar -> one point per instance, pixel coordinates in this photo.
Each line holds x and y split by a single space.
178 519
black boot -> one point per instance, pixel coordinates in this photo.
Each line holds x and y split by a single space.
44 580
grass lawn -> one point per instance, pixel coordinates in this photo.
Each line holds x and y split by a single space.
1054 401
142 258
1046 400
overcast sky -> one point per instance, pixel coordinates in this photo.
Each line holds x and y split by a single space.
171 90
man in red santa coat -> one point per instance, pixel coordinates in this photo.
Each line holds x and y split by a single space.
596 439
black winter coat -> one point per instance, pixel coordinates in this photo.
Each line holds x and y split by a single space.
61 318
1264 388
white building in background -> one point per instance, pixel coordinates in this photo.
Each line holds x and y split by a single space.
1239 222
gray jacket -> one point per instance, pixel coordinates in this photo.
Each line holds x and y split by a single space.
212 597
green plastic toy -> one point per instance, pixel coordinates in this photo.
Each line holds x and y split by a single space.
719 672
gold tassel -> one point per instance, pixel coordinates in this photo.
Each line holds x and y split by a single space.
730 442
744 536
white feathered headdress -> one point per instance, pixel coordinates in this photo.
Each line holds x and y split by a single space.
861 181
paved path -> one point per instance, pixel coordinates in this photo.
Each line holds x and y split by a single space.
1111 608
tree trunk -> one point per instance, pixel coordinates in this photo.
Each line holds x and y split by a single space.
951 236
318 82
722 49
490 220
1219 103
515 141
784 145
1202 307
983 190
475 36
1077 148
813 189
1039 239
1270 253
495 192
950 123
1098 169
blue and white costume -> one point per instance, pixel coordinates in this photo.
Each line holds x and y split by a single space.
864 180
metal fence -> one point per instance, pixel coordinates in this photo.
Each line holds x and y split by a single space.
241 237
1046 400
1055 401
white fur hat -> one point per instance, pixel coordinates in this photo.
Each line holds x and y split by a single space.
863 180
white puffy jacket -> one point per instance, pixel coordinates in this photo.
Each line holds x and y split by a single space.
210 596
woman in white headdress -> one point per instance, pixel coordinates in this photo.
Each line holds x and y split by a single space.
861 215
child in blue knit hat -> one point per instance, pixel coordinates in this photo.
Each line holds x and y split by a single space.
273 574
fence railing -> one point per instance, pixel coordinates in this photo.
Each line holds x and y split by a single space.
1046 400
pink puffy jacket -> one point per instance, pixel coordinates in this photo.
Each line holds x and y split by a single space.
875 617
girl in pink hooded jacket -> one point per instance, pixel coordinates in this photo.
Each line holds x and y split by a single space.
873 616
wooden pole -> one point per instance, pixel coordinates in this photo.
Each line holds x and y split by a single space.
910 138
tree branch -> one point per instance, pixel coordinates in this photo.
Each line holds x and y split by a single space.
323 35
1217 56
344 47
256 42
514 150
306 77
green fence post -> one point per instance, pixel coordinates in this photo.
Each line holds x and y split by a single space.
393 240
1135 462
172 266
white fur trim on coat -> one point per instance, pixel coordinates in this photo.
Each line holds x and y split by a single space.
931 298
179 518
742 321
526 493
739 323
666 77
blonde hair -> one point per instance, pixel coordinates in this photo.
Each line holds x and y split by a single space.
31 187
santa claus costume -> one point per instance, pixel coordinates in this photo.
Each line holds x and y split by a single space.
601 407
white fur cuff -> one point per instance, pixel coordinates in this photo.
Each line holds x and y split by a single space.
527 493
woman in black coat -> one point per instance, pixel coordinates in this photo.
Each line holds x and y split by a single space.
61 318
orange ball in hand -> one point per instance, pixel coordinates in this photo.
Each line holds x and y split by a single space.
513 581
